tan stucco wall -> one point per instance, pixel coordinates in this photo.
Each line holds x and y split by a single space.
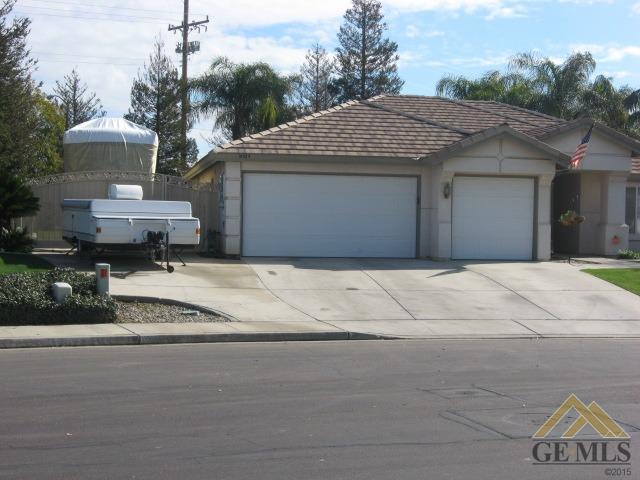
504 156
603 154
602 192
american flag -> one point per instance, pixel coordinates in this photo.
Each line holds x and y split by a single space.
581 151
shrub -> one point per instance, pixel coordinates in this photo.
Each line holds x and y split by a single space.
26 299
15 240
628 255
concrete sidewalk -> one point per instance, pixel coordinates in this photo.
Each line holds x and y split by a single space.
164 333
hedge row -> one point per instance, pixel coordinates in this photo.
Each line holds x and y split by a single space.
26 299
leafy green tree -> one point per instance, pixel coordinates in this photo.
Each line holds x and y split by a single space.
78 105
315 89
155 104
245 97
30 133
16 200
367 63
49 132
17 91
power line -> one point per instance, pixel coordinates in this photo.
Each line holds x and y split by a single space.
75 17
113 7
40 60
93 12
87 56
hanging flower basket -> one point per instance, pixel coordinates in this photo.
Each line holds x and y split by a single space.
571 219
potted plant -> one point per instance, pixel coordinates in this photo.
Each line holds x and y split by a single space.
570 218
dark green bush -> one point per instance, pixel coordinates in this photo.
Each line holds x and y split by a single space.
628 255
15 240
26 299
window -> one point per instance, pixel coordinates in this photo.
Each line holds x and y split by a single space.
631 212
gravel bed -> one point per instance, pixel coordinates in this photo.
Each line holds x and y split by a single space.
136 312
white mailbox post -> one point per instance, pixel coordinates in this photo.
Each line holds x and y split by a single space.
103 273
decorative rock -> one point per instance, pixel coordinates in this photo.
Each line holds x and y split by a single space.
61 291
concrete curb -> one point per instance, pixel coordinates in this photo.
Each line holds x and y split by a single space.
170 301
130 338
160 339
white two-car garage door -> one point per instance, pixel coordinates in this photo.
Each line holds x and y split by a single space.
492 218
307 215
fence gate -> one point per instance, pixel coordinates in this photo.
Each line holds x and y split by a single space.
52 189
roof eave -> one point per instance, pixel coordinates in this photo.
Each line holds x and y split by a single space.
447 152
203 164
620 138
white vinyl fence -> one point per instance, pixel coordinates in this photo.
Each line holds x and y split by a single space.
52 189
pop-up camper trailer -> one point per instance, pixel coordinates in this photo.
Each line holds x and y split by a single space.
125 220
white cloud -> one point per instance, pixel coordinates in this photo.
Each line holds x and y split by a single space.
608 53
619 74
516 11
635 8
418 59
414 31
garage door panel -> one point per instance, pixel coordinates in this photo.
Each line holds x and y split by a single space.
329 215
492 218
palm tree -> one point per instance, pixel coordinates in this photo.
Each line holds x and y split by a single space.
632 104
559 87
245 97
511 88
606 103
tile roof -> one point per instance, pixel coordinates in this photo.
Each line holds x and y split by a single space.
401 126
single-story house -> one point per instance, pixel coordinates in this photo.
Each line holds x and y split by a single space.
413 176
633 205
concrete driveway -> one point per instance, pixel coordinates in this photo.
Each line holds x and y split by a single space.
401 297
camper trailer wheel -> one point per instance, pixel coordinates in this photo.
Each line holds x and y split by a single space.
170 268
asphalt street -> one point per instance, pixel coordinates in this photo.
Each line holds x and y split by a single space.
327 410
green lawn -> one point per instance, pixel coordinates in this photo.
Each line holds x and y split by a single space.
627 278
22 262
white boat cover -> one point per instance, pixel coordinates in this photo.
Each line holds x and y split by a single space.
108 144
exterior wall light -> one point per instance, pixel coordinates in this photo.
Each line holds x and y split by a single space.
446 190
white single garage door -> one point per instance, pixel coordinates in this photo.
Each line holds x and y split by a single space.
492 218
302 215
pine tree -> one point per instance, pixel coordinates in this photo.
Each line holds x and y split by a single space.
315 89
366 62
155 104
77 104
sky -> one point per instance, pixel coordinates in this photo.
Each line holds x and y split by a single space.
109 41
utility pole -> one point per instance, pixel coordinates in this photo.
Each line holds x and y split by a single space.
186 48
